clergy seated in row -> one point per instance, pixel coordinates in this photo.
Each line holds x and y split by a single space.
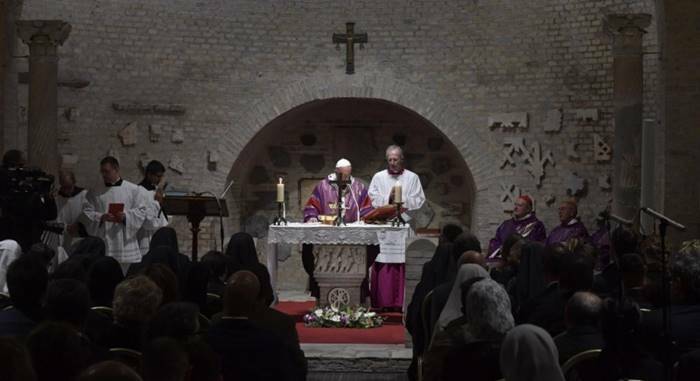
388 270
571 228
355 204
524 223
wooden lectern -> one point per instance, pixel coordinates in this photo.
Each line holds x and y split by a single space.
195 208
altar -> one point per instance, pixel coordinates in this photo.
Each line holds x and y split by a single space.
339 254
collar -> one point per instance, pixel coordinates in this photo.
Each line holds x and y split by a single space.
525 217
76 191
147 185
116 184
395 173
572 222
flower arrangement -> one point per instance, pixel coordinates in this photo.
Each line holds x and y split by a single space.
343 317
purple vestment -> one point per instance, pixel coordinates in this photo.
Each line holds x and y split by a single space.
601 240
324 198
529 227
565 232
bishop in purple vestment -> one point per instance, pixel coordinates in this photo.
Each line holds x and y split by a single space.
524 222
324 198
570 228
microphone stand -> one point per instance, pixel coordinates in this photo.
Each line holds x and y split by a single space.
664 223
221 213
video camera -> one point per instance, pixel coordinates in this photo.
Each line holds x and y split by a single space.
28 181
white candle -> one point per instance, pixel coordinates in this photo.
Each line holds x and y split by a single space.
280 191
397 193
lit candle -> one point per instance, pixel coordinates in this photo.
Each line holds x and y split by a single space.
397 193
280 191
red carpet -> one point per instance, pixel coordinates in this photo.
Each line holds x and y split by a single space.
392 332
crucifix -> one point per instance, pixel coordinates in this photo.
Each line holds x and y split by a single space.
350 38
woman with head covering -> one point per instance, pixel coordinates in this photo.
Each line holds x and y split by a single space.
528 353
453 307
529 280
241 254
165 236
471 345
103 277
91 247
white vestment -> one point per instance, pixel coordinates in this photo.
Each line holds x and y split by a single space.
411 193
9 251
154 220
70 211
120 239
383 184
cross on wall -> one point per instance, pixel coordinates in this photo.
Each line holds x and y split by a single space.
350 38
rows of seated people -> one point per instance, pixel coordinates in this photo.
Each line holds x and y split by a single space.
166 319
553 312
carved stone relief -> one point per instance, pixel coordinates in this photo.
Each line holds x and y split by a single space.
604 182
178 135
154 132
340 259
536 161
129 134
69 160
176 164
586 114
509 193
508 121
571 151
553 121
601 150
575 185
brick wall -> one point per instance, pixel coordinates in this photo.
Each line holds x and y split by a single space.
238 65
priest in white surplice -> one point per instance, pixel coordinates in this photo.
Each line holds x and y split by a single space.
116 211
69 203
388 271
153 196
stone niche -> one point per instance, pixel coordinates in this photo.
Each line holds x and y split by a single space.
303 145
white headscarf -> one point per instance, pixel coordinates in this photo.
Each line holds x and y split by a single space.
453 307
9 251
528 353
487 309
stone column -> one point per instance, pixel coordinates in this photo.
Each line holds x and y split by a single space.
8 75
43 38
628 30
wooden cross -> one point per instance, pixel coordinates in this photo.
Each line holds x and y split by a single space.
349 38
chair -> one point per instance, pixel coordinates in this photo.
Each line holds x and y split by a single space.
581 366
204 324
427 331
104 311
127 356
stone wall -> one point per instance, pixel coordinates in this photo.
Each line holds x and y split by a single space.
208 76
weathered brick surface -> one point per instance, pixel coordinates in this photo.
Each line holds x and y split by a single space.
237 65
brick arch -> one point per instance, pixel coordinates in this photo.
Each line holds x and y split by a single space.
477 153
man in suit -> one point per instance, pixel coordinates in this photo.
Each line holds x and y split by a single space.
582 316
248 351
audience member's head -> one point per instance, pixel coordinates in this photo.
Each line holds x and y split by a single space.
510 251
449 233
619 324
241 294
26 281
624 240
41 252
13 158
465 241
196 284
90 247
136 300
552 257
109 371
58 352
453 306
685 271
633 270
528 353
241 250
576 273
165 351
67 301
216 261
487 308
166 280
177 320
587 250
474 257
583 309
103 277
165 236
15 363
72 268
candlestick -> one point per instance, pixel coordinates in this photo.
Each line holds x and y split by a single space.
397 193
280 191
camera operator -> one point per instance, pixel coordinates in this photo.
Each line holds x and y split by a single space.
26 201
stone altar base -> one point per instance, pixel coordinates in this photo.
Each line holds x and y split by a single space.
339 271
357 362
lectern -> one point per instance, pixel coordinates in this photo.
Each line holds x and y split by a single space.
195 208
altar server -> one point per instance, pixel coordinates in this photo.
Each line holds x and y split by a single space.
152 192
388 271
116 211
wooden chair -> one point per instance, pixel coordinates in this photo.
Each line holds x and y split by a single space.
580 364
128 357
104 311
427 330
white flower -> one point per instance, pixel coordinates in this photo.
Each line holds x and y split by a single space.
335 318
370 314
318 312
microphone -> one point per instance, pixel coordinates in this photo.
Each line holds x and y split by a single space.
226 190
663 218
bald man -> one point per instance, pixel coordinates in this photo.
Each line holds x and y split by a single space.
248 352
570 227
